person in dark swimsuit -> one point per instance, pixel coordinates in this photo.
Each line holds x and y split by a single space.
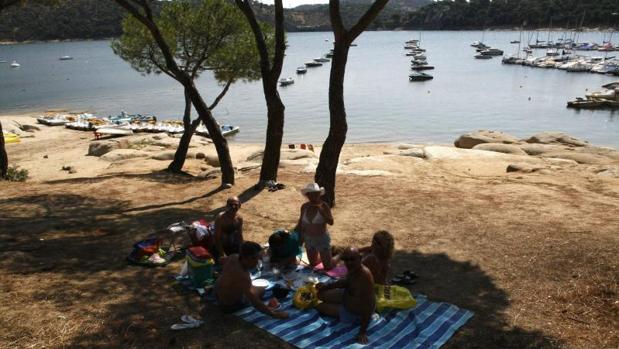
228 230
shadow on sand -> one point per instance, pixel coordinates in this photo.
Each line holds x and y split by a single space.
77 246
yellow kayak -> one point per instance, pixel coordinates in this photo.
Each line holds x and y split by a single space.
11 138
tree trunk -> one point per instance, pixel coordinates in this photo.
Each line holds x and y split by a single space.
330 153
221 145
270 76
275 133
4 158
183 145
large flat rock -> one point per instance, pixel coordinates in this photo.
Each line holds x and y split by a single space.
556 138
124 154
500 148
471 139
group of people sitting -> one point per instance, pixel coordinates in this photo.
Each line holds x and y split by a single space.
351 299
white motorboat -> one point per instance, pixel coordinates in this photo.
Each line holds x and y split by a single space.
14 64
322 59
417 76
113 130
482 56
492 52
286 81
579 67
301 70
55 120
65 58
226 130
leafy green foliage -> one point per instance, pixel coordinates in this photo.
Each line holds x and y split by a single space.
207 34
61 19
15 174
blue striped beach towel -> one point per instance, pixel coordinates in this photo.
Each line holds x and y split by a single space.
428 326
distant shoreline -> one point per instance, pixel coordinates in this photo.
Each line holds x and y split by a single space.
317 30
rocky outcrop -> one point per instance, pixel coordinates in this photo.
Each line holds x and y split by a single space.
539 149
556 138
123 154
286 154
212 160
98 148
581 158
500 148
523 168
165 155
469 140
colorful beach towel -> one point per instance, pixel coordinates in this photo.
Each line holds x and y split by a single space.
428 326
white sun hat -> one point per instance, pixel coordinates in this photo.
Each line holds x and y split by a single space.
313 188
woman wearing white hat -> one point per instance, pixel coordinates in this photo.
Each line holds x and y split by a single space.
313 219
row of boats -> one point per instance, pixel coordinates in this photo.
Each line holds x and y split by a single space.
15 64
600 65
316 62
484 51
124 124
608 98
419 61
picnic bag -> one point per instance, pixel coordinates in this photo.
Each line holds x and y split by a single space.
396 297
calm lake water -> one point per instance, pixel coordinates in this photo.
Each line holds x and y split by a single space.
383 106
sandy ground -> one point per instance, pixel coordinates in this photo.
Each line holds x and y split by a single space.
534 255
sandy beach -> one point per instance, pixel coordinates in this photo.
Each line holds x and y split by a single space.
525 235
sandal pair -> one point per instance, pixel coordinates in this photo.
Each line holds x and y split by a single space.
407 278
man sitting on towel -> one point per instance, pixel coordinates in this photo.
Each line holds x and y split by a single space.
351 299
234 290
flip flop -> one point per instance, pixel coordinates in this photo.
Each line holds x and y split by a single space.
411 274
403 281
188 319
179 327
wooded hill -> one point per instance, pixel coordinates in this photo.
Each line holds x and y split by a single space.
95 19
481 14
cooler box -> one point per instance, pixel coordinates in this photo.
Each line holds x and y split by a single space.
199 265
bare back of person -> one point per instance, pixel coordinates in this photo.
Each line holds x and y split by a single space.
378 267
233 282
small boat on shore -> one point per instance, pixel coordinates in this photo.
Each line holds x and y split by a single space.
301 70
107 130
55 120
226 130
416 76
286 81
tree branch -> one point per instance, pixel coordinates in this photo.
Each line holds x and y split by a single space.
245 7
336 20
221 95
280 42
366 19
154 30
